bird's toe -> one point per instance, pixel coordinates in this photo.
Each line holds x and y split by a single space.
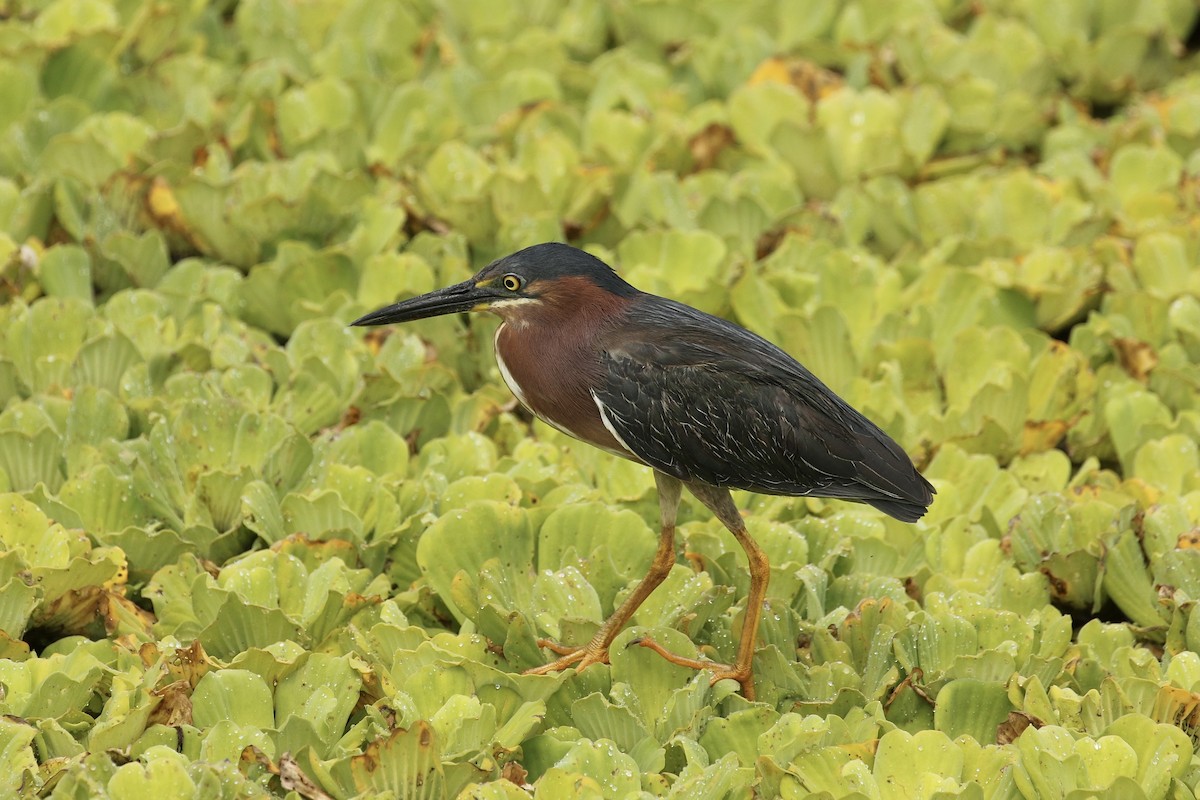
744 675
578 657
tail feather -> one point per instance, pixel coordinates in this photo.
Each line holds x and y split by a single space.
903 510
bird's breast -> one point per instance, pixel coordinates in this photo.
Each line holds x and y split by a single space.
553 375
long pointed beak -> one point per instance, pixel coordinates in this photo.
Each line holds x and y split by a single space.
460 297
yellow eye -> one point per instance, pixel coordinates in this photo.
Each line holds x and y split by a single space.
511 282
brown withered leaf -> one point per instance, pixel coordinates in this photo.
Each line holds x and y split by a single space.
1136 357
115 608
352 417
707 145
292 778
76 612
1178 706
1059 588
514 772
148 653
13 650
1008 731
175 705
190 664
813 80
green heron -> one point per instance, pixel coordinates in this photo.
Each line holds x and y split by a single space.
705 403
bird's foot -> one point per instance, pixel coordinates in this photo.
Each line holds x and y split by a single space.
743 675
579 657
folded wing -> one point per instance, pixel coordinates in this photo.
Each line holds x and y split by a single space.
725 407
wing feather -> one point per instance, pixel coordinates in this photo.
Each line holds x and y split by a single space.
704 400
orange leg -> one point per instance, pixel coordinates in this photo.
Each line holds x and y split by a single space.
721 504
596 651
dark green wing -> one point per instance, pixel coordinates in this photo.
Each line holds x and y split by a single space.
704 400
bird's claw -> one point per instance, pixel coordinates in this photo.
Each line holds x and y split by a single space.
555 647
579 657
744 676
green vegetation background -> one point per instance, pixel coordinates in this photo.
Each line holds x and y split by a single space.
250 552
